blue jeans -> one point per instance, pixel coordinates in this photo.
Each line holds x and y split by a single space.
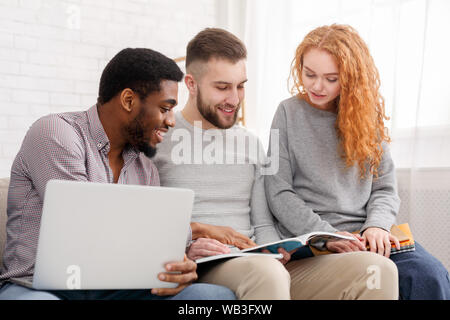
421 276
12 291
196 291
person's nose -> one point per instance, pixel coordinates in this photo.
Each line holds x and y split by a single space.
170 119
318 85
233 97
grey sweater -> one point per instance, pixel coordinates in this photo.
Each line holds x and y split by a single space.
313 189
227 181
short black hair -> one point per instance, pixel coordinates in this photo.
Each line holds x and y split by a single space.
139 69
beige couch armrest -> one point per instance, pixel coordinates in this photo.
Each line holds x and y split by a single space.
4 184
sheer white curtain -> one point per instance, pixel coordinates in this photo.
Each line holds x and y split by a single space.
409 42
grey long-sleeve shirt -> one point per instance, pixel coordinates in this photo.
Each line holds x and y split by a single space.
225 176
313 189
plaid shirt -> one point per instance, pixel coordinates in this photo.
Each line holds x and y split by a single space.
66 146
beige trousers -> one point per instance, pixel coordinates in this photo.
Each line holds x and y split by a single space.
355 275
250 278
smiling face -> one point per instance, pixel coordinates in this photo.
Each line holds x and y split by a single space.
320 77
154 117
220 91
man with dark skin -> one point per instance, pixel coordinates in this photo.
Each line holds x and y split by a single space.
111 142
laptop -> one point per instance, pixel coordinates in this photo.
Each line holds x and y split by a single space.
110 236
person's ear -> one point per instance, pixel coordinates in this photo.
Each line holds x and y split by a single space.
191 84
126 99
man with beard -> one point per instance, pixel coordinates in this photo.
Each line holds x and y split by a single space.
226 193
224 164
111 142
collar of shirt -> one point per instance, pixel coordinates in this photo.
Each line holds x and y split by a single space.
96 128
101 139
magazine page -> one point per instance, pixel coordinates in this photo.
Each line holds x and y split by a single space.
297 242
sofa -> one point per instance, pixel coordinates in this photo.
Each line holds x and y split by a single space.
4 183
432 234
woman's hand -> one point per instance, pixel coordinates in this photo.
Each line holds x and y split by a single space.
204 247
340 246
186 274
379 240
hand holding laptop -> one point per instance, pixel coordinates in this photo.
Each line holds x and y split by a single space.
185 274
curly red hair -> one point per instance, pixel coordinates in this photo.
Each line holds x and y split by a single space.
360 106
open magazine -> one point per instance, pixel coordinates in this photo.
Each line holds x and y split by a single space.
301 243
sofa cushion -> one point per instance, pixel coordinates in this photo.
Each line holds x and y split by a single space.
4 183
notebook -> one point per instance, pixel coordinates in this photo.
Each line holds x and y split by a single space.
404 236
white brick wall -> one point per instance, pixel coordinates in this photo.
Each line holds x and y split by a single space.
52 52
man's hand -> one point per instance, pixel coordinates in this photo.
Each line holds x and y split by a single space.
187 274
286 255
379 240
225 235
340 246
204 247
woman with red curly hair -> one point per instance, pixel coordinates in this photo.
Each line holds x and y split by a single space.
335 170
